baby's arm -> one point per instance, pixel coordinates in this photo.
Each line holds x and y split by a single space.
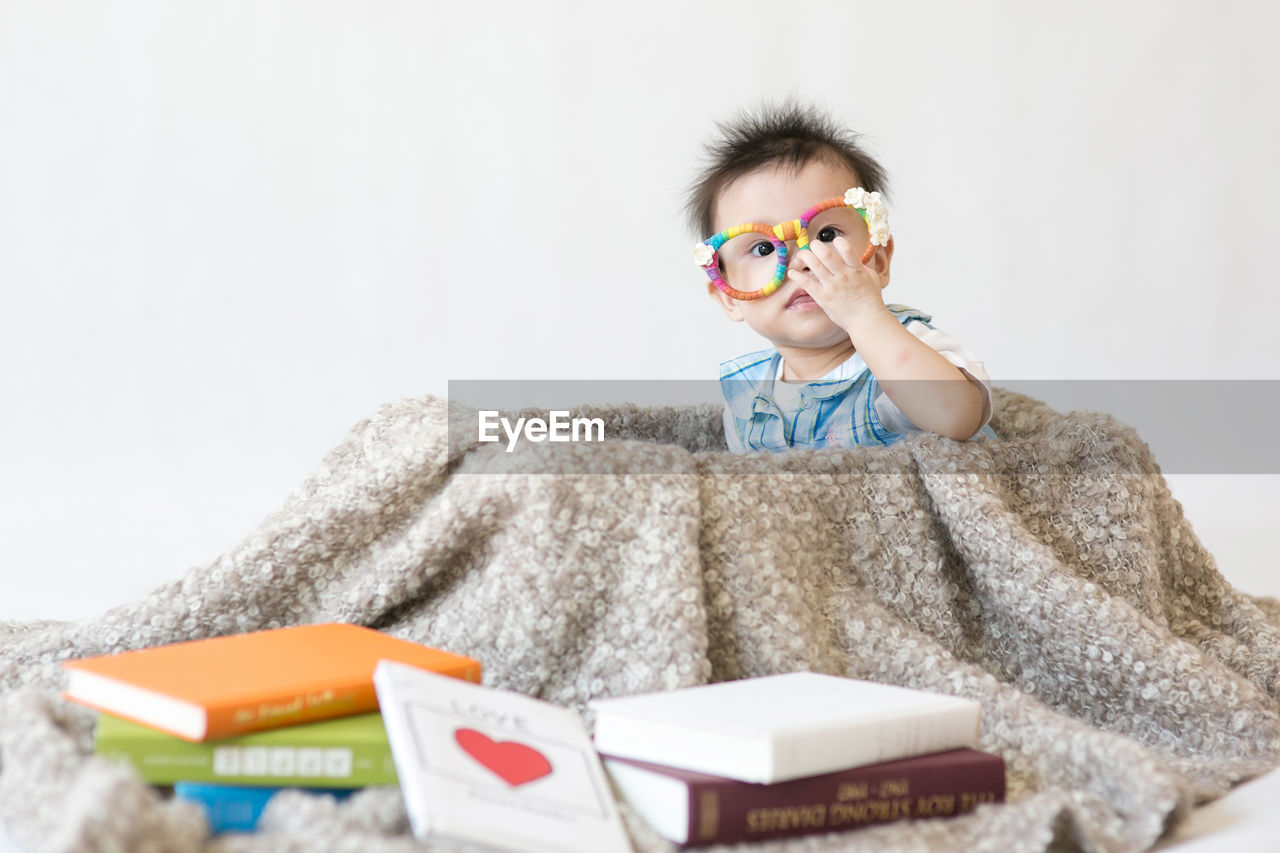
932 392
925 387
959 355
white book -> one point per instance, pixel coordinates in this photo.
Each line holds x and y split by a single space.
494 768
782 727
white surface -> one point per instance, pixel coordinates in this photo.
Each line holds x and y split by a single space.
1244 821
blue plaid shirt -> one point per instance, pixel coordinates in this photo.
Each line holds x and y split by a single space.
836 412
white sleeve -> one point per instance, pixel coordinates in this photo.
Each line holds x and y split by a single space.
731 438
954 351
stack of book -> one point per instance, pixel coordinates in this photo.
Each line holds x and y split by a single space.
792 755
229 722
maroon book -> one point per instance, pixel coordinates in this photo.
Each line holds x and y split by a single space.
696 808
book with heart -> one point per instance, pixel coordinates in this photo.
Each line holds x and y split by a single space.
491 767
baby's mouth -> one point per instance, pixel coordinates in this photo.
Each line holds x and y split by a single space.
800 300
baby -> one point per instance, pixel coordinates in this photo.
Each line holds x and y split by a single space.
844 368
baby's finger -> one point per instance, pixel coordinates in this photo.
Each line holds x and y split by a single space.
820 259
847 252
809 282
815 279
804 278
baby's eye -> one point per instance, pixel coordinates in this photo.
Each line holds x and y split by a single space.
826 235
761 249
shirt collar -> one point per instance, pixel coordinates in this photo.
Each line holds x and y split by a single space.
836 382
747 381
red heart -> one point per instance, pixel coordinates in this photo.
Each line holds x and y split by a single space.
515 762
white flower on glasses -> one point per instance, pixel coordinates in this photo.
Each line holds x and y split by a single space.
702 254
856 197
874 211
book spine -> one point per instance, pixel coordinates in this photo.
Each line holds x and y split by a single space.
230 809
727 811
290 710
311 706
306 765
233 808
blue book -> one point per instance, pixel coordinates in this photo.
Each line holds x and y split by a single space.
236 808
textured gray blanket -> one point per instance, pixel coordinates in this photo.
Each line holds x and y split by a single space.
1049 574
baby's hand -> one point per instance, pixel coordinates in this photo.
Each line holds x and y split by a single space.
839 282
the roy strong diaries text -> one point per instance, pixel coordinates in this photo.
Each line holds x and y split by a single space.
692 808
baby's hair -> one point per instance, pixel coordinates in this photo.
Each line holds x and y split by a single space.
791 135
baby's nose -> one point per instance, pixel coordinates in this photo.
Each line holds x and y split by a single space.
796 259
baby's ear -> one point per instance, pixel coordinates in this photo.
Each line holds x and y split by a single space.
881 261
725 301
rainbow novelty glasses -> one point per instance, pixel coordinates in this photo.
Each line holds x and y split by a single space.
741 254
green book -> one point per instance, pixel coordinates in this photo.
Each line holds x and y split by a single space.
347 752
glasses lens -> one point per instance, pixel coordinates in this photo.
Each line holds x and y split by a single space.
749 261
839 222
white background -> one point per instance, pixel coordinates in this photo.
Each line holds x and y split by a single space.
229 230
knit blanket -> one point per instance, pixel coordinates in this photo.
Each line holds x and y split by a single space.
1049 574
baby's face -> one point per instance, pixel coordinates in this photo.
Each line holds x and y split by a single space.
788 317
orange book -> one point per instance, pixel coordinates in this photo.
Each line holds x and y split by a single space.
205 689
